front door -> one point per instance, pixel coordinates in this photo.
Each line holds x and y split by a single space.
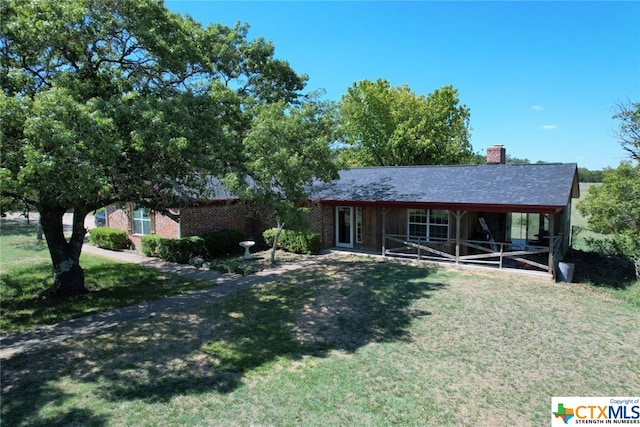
344 228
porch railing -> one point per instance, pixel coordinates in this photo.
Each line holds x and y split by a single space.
505 255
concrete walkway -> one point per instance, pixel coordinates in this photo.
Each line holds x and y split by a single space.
222 285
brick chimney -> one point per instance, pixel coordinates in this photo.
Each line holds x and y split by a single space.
496 155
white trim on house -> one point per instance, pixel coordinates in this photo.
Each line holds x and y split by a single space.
344 227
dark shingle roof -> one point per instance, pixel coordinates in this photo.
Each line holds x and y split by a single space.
498 186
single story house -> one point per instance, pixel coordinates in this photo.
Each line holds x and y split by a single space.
506 216
222 211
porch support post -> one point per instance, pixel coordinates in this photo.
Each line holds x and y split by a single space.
384 228
458 216
552 269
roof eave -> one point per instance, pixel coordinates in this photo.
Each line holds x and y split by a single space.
476 207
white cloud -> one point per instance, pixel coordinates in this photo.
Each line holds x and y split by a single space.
537 107
549 127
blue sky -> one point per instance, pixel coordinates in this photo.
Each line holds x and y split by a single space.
541 78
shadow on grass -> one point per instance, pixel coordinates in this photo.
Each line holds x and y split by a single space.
47 395
112 285
608 271
331 306
73 416
18 228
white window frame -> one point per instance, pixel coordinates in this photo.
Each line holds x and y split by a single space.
429 220
417 218
140 218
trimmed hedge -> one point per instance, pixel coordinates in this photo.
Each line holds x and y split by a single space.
297 242
222 243
180 250
208 246
149 244
109 238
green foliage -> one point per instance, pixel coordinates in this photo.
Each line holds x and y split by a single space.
303 243
269 236
149 244
298 242
234 266
614 208
181 250
510 160
117 101
624 244
586 175
9 204
109 238
393 126
211 245
222 243
287 148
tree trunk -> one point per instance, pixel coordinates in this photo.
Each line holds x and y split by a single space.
65 255
275 241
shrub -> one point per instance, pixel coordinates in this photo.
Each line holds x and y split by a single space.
270 235
109 238
233 266
149 244
297 242
221 243
303 243
181 250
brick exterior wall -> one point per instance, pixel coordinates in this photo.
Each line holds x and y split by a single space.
165 226
198 220
323 221
160 224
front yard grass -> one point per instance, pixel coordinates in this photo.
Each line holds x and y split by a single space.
112 284
349 341
25 272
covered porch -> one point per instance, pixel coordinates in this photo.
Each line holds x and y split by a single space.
494 215
533 241
536 249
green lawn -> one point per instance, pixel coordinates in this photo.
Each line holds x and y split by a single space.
25 273
348 342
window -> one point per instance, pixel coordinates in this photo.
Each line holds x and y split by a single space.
358 225
428 224
438 225
141 221
528 228
418 224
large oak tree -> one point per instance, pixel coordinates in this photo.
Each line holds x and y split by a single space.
394 126
122 100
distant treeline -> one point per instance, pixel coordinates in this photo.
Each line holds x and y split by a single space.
585 175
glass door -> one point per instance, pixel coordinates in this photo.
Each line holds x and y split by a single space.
344 229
